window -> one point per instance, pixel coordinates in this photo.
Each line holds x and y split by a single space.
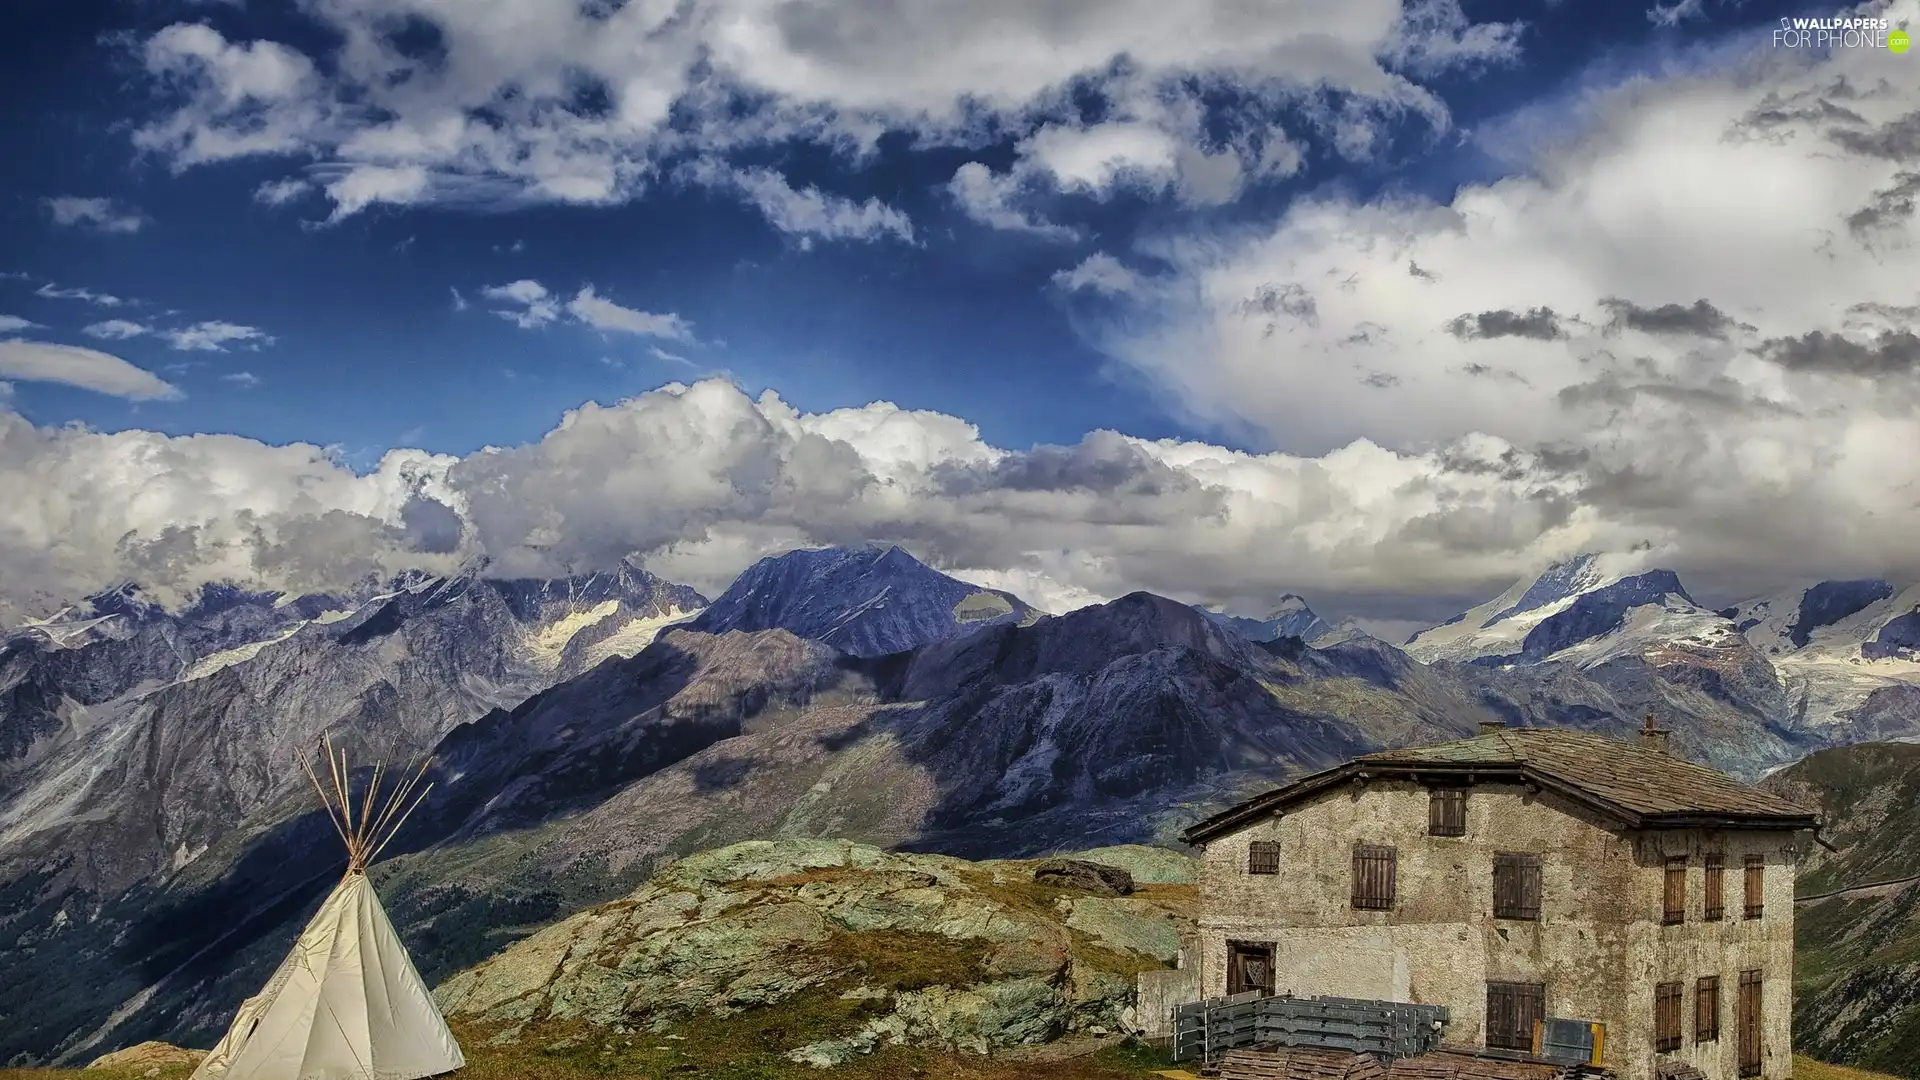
1675 908
1716 887
1756 884
1512 1009
1447 813
1749 1020
1666 1017
1249 967
1516 886
1374 867
1263 857
1706 1009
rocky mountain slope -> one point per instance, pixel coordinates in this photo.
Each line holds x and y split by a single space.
158 857
1290 618
867 602
1857 977
836 949
140 775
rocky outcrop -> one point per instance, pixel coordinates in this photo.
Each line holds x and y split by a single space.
889 948
1084 876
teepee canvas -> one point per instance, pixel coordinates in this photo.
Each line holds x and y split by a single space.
346 1003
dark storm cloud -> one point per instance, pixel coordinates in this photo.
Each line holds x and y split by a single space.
1290 299
1888 208
1414 270
1895 140
1700 318
1539 324
1717 395
1894 352
432 525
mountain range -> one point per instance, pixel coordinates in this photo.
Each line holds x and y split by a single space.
157 849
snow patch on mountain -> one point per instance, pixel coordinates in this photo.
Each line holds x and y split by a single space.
1292 617
1502 626
1836 643
632 636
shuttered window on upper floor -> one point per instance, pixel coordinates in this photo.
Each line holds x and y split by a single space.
1666 1016
1756 885
1447 812
1263 857
1516 886
1674 907
1375 873
1715 886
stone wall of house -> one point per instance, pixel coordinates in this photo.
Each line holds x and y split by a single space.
1599 947
1686 951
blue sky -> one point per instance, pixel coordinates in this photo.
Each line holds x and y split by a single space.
368 351
1015 218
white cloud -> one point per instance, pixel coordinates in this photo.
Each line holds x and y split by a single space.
101 215
280 192
537 307
116 329
533 306
459 302
1100 273
214 336
500 108
11 323
89 369
805 212
1676 13
605 315
245 380
363 185
661 354
78 292
990 198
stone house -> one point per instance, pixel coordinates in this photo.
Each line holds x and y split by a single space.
1522 874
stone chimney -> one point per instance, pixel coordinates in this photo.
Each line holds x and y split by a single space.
1488 727
1653 737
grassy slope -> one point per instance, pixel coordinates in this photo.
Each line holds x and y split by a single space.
1859 947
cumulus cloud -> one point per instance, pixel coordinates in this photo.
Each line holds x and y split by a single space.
993 199
1674 289
605 315
89 369
531 306
245 380
100 215
1099 273
11 323
116 329
280 192
589 103
214 336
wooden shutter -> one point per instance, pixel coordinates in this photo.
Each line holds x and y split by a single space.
1374 876
1512 1009
1249 967
1447 812
1666 1017
1756 884
1516 886
1748 1019
1716 886
1706 1009
1674 910
1263 857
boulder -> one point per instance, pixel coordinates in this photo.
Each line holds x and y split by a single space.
1085 876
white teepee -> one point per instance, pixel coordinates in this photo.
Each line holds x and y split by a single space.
346 1003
